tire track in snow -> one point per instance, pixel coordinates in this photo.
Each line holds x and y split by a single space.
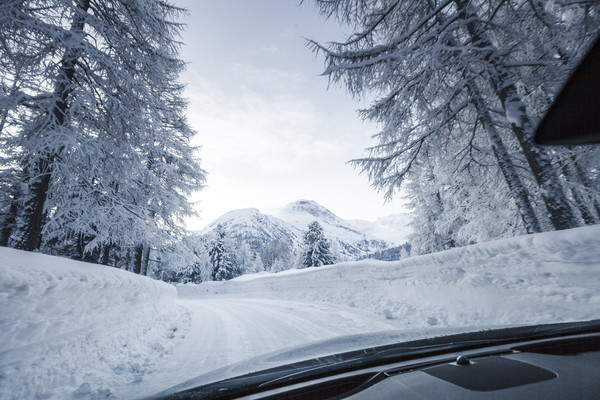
225 331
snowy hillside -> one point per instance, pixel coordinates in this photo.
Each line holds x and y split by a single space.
251 226
351 239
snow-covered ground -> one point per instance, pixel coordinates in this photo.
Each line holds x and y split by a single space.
75 330
541 278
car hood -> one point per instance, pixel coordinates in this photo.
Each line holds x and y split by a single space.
334 356
316 350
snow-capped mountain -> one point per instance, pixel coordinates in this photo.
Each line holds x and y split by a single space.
350 239
251 226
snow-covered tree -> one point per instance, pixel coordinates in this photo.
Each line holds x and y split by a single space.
183 261
276 253
459 86
317 249
258 265
223 257
93 126
249 261
280 265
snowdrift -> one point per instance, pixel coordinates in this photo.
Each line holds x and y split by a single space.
65 324
541 278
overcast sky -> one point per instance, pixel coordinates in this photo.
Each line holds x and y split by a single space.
270 129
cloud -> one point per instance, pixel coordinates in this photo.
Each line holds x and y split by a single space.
268 79
267 141
270 131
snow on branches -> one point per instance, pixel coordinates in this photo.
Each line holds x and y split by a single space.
93 126
459 86
317 249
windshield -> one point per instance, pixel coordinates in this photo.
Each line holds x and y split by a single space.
188 187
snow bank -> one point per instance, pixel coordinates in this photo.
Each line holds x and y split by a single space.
74 328
529 279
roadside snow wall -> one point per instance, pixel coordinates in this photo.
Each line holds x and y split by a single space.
72 326
547 277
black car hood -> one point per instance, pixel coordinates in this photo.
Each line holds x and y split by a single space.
365 350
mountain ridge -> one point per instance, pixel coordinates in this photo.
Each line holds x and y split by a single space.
351 239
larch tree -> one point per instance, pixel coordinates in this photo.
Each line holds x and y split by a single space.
316 250
458 87
93 126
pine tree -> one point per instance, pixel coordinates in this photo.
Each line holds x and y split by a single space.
223 259
317 249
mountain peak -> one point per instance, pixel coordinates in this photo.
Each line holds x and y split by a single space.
308 208
236 214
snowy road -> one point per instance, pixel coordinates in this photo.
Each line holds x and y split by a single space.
225 331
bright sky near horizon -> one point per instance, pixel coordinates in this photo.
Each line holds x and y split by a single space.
270 129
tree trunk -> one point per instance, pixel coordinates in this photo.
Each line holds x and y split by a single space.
104 254
34 213
517 190
587 182
9 223
431 209
145 260
137 260
79 248
128 264
571 176
560 212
